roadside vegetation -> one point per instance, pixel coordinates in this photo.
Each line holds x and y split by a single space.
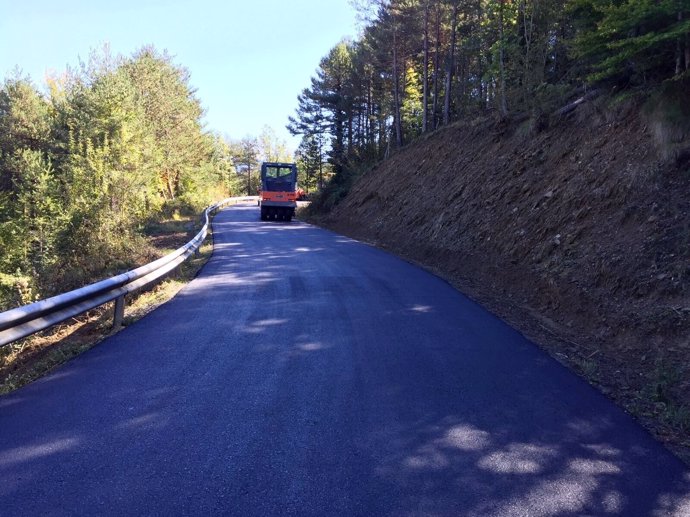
31 358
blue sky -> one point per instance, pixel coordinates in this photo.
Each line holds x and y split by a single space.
248 59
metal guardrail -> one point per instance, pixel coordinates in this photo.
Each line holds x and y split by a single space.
28 319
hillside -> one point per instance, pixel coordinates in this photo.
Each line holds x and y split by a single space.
575 229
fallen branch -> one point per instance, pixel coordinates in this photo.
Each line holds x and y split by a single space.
571 107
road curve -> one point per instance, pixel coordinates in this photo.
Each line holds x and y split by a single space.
303 373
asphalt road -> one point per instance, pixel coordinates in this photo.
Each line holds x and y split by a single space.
303 373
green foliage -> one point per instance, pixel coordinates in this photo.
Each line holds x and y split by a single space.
172 115
16 289
310 163
333 192
116 142
632 40
271 148
411 108
29 210
24 117
246 158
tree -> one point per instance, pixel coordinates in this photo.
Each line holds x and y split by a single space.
312 124
246 160
450 65
223 160
173 115
502 103
29 207
330 88
411 111
271 148
633 40
328 106
425 68
310 163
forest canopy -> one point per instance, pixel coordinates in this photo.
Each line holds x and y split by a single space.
422 64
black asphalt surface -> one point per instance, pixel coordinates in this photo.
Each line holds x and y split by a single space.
303 373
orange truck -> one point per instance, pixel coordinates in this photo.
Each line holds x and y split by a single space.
278 191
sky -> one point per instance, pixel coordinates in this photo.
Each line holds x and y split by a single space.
248 59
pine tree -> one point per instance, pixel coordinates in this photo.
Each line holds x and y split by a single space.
636 41
411 112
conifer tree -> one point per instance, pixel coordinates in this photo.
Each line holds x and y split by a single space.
635 41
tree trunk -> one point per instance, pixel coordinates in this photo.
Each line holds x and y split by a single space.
320 162
371 130
396 91
450 66
679 49
527 34
350 131
483 85
503 106
169 184
425 89
571 107
437 52
464 74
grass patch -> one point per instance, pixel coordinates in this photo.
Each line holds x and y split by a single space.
169 226
658 405
588 368
677 417
664 380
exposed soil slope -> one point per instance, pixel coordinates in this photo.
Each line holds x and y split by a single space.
577 233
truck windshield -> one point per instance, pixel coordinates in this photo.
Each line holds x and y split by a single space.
278 172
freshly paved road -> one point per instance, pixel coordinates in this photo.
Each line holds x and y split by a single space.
303 373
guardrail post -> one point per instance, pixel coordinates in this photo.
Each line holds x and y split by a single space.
119 312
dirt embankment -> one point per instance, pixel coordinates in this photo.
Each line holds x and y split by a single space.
577 233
